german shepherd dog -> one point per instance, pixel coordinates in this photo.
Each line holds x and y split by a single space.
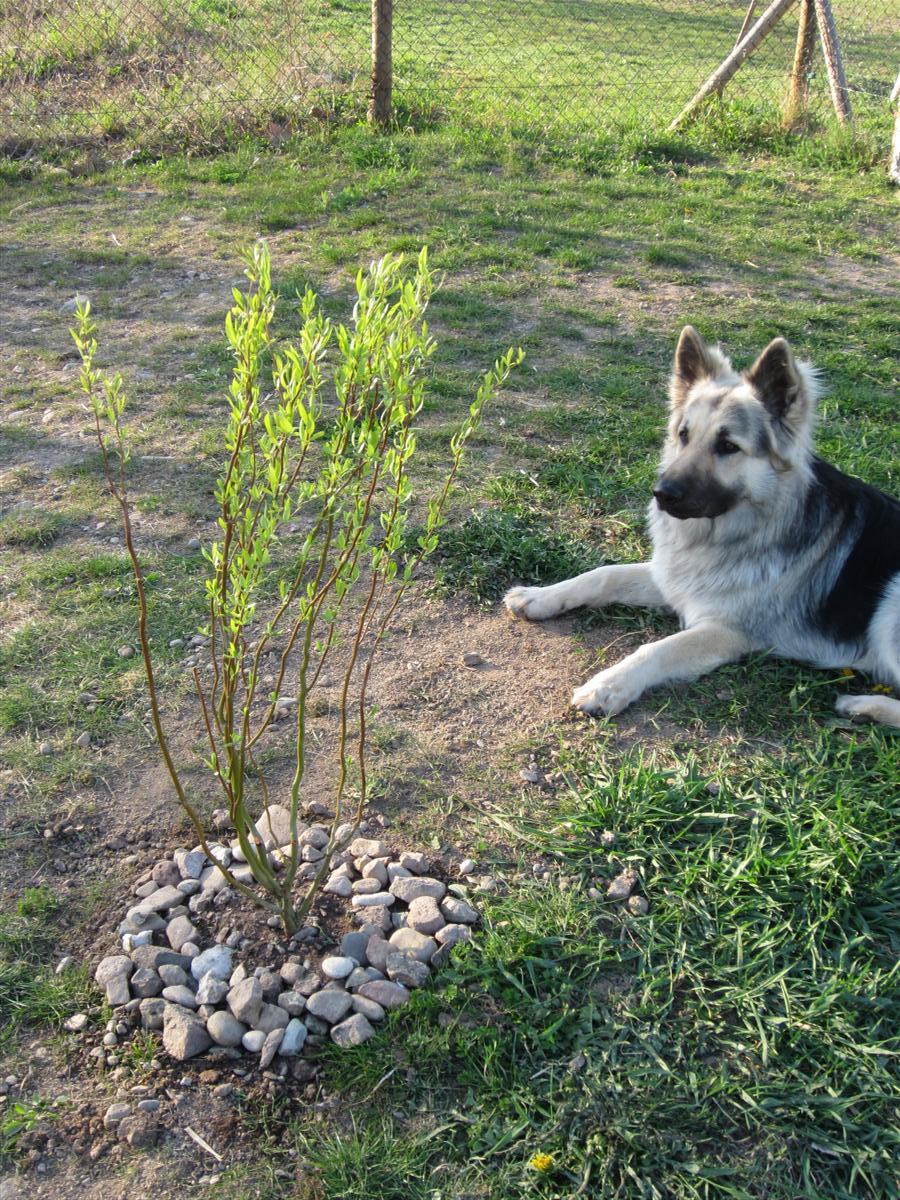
758 545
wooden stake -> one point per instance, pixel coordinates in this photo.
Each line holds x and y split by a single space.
831 49
382 64
894 167
798 92
745 25
739 55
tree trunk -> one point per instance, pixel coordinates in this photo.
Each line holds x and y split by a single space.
831 49
382 65
735 59
798 93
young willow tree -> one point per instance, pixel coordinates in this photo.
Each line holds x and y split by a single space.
322 433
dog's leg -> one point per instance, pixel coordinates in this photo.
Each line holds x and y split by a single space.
628 584
873 708
684 655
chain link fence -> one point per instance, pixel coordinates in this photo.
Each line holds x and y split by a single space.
201 73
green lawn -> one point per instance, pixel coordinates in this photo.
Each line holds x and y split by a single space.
740 1040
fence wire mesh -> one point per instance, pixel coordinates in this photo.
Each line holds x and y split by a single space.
198 73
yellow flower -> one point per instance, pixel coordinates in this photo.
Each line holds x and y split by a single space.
882 689
541 1162
847 672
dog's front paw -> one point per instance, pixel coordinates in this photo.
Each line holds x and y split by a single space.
533 603
607 694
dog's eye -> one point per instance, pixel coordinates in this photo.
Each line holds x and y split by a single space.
683 436
724 446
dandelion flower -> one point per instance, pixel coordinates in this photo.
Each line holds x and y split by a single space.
541 1162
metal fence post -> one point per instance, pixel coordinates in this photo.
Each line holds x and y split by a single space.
382 65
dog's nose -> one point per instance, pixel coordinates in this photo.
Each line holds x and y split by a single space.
668 491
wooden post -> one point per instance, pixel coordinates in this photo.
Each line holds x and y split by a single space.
894 167
382 65
745 24
735 59
798 92
831 49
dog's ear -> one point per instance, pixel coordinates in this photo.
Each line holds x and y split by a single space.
783 385
693 361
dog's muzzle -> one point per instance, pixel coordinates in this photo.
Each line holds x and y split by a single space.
708 499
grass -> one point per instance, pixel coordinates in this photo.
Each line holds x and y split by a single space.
31 993
740 1040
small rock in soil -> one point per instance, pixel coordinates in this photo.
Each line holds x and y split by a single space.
411 889
417 863
190 863
368 886
467 866
116 1113
338 967
139 1131
166 874
180 930
425 916
401 968
145 982
172 976
377 952
76 1022
246 1000
451 934
622 886
114 966
352 1032
180 994
382 991
638 905
270 1047
254 1040
458 911
411 942
152 1012
330 1005
338 885
83 741
224 1029
368 1008
353 945
472 659
368 848
271 1016
212 990
292 1003
217 960
293 1039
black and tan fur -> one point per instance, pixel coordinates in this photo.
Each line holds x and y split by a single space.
758 545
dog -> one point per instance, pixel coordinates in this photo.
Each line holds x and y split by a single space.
758 544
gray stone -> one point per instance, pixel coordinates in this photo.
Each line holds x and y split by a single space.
114 966
271 1016
190 887
352 1032
143 890
145 982
338 966
270 982
369 1008
377 952
152 1011
367 887
155 957
224 1029
376 870
338 885
467 866
116 1113
184 1033
166 874
399 920
425 916
246 1001
382 991
395 871
253 1040
274 826
458 912
330 1005
417 863
190 863
180 930
118 992
292 1003
412 888
354 945
368 848
217 960
293 1038
622 886
270 1047
383 899
161 900
140 1131
377 916
171 975
401 968
180 994
76 1022
451 934
411 942
211 989
636 904
316 836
